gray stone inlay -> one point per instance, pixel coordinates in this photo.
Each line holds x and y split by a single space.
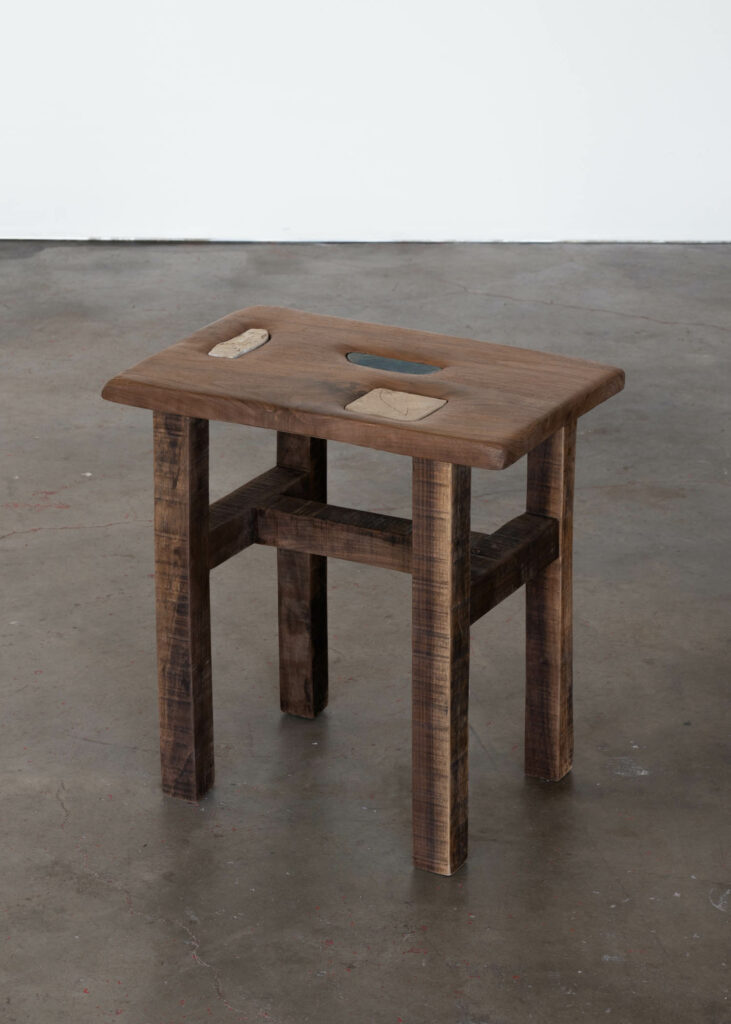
394 365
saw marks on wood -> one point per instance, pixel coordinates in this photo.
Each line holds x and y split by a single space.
395 405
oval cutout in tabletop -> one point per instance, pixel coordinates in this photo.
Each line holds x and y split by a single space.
394 365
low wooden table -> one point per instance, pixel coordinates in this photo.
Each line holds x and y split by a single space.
490 405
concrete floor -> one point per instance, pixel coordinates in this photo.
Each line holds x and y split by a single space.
288 894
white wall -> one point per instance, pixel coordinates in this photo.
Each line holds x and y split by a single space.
366 119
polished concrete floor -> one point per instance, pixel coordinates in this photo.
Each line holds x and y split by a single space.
287 894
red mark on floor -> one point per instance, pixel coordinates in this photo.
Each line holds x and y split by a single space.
33 507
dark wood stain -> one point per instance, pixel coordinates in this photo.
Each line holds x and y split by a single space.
303 662
501 400
183 604
440 663
233 518
502 403
549 732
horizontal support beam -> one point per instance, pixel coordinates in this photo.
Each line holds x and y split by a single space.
503 561
500 562
261 512
233 518
319 529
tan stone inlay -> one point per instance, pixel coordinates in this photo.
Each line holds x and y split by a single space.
254 338
395 405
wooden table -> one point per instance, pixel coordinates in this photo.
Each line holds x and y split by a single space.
491 405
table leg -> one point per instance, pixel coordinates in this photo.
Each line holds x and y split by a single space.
441 647
549 738
183 604
302 585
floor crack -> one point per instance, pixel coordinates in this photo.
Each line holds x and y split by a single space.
591 309
195 943
80 526
60 797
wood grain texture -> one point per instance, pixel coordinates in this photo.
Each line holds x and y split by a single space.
501 400
183 605
549 738
440 666
500 562
503 561
302 592
334 532
233 517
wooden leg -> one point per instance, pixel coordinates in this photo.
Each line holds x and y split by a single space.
303 593
549 736
441 649
183 605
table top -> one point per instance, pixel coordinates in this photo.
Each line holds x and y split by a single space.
491 403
